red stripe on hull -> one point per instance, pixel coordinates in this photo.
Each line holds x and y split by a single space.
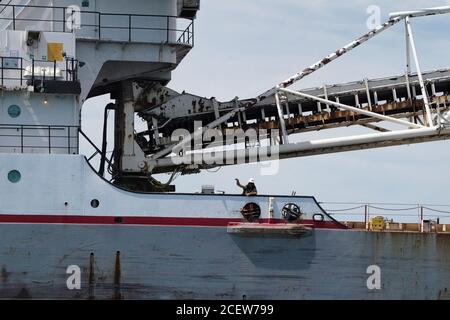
149 221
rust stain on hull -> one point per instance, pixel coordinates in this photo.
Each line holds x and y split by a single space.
117 274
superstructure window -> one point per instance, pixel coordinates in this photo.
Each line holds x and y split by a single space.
14 176
95 203
14 111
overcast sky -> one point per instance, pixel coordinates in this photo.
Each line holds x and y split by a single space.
244 47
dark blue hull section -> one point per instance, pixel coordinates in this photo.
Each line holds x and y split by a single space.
155 262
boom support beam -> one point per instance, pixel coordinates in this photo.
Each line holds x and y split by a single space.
394 19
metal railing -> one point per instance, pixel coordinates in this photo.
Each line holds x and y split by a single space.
187 36
131 26
50 138
407 213
17 67
13 64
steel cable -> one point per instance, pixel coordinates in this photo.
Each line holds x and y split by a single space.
342 210
435 210
392 209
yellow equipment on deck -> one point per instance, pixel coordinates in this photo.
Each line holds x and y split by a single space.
377 224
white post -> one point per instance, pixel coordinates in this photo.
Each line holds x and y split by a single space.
433 89
421 219
288 110
394 95
369 99
408 62
271 200
419 74
300 109
326 97
358 105
281 116
263 114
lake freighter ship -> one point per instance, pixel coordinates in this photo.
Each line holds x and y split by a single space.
72 230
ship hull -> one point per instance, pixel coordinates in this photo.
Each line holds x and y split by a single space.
176 262
60 214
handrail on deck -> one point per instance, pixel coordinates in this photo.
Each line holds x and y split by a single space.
53 137
20 64
167 22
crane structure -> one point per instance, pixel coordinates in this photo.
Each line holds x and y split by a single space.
61 53
417 101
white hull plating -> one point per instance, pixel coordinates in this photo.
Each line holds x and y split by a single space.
166 246
66 185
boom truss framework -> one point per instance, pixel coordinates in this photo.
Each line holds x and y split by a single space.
416 101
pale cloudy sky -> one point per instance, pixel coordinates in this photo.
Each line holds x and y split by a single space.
244 47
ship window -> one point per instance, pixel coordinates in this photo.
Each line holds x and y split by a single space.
14 111
318 217
95 203
14 176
